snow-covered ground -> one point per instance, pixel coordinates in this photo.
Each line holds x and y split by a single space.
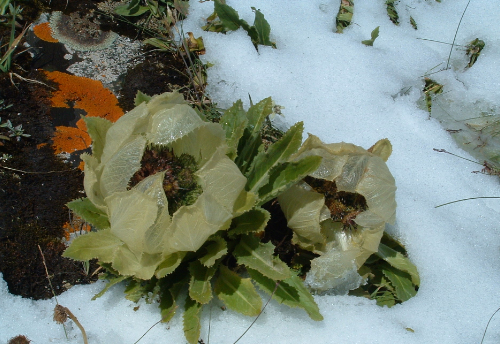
346 91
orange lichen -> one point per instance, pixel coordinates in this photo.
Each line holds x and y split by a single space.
69 139
44 32
88 95
40 145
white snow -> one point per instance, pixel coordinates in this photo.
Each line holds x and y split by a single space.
345 91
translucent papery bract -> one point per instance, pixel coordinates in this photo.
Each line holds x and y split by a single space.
90 182
168 125
116 173
130 124
354 170
130 214
303 209
222 179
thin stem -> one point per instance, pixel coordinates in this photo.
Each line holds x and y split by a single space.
159 321
465 199
456 32
253 322
21 171
458 156
488 324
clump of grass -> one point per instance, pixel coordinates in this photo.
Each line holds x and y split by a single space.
10 13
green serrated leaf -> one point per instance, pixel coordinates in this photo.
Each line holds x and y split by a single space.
386 298
200 287
102 245
290 292
136 289
234 122
249 146
141 98
254 220
263 29
257 113
111 282
259 256
191 320
277 153
215 249
97 127
131 9
369 42
401 281
237 293
84 208
168 299
228 16
399 261
285 175
169 264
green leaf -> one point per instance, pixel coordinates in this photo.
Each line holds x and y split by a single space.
254 220
191 320
385 299
263 29
237 293
277 153
169 294
287 174
249 146
200 287
257 113
259 256
102 245
136 289
369 42
131 9
228 16
84 208
111 282
401 281
140 98
215 249
97 128
399 261
290 292
234 122
169 264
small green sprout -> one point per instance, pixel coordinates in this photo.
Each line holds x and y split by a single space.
225 18
474 49
369 42
17 132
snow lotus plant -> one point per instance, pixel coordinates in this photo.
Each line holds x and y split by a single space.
159 149
175 201
340 211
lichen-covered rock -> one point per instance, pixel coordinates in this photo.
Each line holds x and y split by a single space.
340 210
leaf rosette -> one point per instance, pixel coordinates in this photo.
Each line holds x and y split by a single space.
340 210
136 232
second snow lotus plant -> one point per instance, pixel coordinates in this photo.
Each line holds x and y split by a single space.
177 202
